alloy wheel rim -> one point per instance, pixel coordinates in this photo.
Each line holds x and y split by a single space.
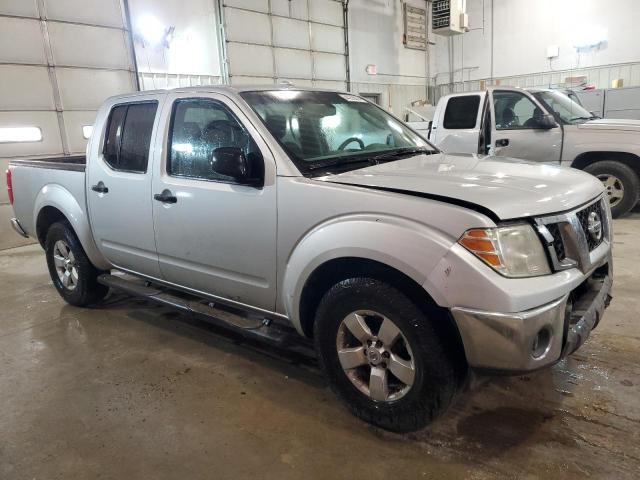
375 356
614 188
65 264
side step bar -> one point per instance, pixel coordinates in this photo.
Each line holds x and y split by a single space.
249 327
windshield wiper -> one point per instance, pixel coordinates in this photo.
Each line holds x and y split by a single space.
573 119
402 153
370 160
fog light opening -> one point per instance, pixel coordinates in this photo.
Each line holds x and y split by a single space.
541 343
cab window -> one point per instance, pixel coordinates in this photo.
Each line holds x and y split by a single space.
461 112
514 110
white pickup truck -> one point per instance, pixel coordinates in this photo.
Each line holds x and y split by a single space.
543 125
286 213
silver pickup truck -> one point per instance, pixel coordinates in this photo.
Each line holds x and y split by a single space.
279 211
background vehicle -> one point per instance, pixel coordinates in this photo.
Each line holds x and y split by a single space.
543 125
270 210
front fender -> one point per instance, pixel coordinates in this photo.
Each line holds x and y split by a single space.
55 195
405 245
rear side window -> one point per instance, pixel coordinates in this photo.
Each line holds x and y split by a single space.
128 136
461 112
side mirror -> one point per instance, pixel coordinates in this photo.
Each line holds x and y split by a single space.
547 122
244 169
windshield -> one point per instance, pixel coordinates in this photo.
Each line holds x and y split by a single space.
321 130
564 107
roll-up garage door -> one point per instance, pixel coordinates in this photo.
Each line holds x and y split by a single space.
59 60
270 41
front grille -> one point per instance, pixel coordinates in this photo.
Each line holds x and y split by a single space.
558 244
583 218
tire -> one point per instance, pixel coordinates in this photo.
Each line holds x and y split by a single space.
73 275
436 378
618 178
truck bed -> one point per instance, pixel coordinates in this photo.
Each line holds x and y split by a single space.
76 163
57 181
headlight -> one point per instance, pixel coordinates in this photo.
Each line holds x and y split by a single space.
513 251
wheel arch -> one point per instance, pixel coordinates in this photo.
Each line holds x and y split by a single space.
55 203
585 159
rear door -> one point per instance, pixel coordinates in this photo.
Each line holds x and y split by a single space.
119 188
515 132
213 235
457 126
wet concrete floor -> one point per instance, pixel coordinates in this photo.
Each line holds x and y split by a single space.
131 390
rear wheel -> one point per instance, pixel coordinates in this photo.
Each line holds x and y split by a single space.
72 273
382 355
621 184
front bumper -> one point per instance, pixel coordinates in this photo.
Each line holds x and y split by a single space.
535 338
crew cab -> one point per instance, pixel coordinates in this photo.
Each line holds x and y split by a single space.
315 215
543 125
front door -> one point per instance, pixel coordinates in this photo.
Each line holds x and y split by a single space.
212 234
515 130
119 189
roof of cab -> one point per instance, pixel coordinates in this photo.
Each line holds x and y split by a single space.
228 89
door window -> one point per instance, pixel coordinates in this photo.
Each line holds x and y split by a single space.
128 136
198 127
461 112
514 110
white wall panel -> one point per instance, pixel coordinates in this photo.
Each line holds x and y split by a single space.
80 45
290 8
22 8
328 66
293 63
326 38
249 27
326 11
25 88
247 80
21 41
94 12
330 85
74 121
51 143
86 89
290 33
250 60
258 5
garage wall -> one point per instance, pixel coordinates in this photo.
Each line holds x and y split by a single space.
59 60
375 37
270 41
524 30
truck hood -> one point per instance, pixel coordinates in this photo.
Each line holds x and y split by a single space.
508 188
611 124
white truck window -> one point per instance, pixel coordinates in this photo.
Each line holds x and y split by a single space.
128 136
461 112
514 110
198 127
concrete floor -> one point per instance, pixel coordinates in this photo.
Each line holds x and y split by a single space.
135 391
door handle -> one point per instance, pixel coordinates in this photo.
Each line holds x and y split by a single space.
165 197
502 142
100 188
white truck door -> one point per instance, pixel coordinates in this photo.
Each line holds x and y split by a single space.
456 126
516 129
214 235
119 188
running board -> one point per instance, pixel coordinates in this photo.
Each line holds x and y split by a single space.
250 326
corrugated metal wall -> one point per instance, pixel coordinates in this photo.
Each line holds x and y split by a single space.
269 41
59 60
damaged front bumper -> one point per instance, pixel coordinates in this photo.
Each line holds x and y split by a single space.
536 338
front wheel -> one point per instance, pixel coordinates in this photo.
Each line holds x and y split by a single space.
72 273
382 355
621 184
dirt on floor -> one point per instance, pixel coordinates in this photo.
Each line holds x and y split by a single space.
131 390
